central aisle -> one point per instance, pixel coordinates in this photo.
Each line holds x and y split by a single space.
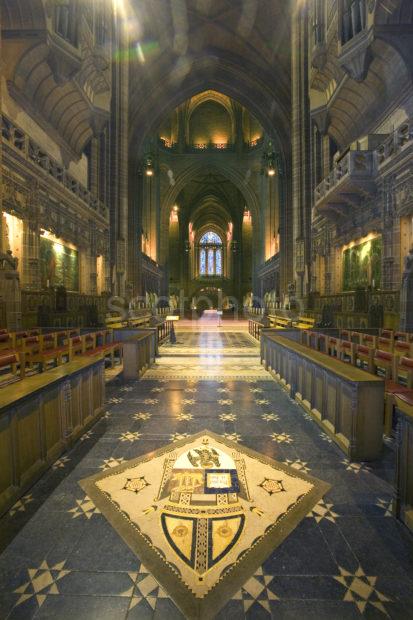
348 556
209 354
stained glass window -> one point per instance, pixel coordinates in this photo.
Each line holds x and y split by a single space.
202 262
210 238
210 254
218 262
211 265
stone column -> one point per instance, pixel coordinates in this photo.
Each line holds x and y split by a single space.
406 294
119 157
301 142
94 167
31 256
91 259
181 130
10 294
135 225
239 136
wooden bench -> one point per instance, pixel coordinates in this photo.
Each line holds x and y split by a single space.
279 322
403 502
385 344
6 341
104 345
402 349
368 340
13 360
304 322
347 351
404 336
333 346
403 369
41 417
345 401
388 334
363 357
44 349
383 363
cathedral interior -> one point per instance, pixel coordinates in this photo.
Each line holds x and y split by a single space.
206 309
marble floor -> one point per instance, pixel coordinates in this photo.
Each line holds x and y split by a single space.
349 558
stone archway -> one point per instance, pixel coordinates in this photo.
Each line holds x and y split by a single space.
185 177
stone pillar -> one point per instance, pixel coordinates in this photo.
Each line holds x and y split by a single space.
406 294
31 256
10 294
301 143
239 136
92 260
119 157
181 130
94 167
135 226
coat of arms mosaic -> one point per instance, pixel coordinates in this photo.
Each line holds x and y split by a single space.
203 514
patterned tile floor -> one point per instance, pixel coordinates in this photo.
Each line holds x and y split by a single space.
349 558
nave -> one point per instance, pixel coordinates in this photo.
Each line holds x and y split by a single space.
347 558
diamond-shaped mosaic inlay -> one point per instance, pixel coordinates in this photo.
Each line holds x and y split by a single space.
203 513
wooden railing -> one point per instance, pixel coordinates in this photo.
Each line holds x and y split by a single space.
20 141
254 328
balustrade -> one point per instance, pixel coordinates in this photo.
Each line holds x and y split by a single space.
395 142
16 137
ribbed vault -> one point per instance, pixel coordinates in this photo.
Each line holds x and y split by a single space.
237 47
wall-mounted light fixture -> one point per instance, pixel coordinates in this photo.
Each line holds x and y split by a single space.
187 246
270 160
149 166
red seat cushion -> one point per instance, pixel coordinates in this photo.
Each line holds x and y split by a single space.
32 340
383 355
393 388
6 360
406 362
363 349
407 397
54 351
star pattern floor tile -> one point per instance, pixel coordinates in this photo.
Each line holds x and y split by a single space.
348 559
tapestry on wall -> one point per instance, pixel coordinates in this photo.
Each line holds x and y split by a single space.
362 265
59 265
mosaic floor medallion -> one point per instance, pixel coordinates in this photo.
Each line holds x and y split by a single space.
202 514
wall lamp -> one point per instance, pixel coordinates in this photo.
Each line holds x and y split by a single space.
149 166
269 160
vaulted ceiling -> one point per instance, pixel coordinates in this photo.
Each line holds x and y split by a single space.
209 199
238 47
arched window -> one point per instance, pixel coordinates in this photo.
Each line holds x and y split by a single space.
210 254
